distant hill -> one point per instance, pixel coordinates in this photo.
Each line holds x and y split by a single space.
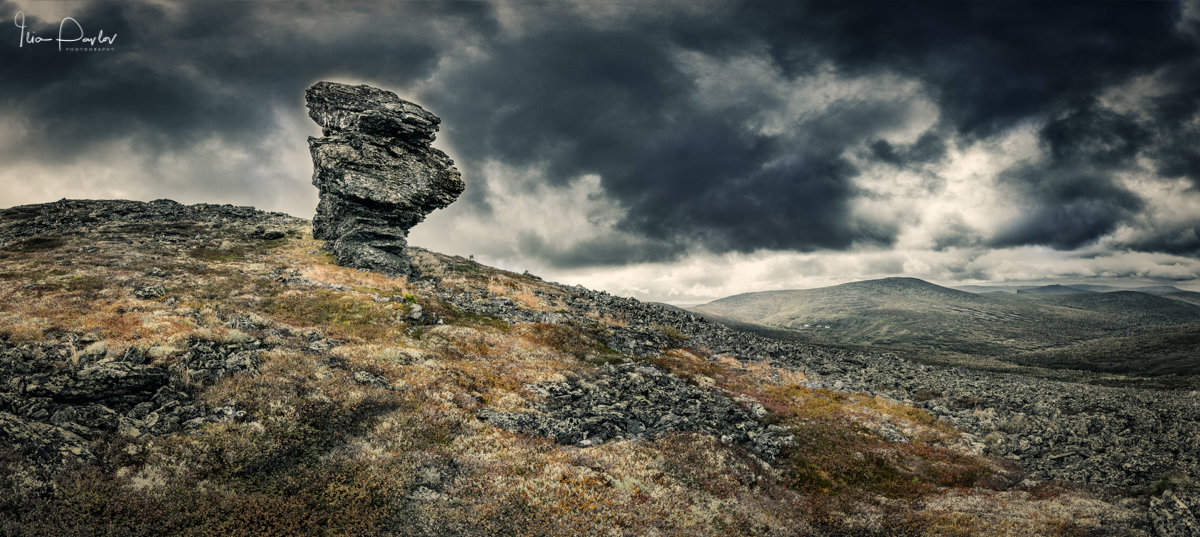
1095 288
1060 322
1154 354
1191 297
1055 289
987 288
1158 289
1130 305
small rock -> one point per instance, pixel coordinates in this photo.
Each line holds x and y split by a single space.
151 293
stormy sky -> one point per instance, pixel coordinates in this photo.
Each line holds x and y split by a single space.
675 151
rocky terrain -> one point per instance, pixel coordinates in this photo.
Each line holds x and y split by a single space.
1127 441
173 369
376 172
640 401
1066 431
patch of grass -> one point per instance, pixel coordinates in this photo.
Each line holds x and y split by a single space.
87 283
218 284
688 365
455 315
464 268
670 332
341 500
36 243
342 315
563 338
925 395
210 254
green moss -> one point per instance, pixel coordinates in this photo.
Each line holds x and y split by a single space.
454 315
32 276
339 313
87 283
670 332
219 283
576 341
833 458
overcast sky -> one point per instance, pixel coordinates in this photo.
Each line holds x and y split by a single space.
675 151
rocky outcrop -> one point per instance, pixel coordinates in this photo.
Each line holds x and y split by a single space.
58 398
376 173
637 401
45 226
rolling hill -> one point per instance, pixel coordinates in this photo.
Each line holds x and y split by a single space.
1191 297
1055 289
1124 332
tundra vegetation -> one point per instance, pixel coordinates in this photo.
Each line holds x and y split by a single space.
360 415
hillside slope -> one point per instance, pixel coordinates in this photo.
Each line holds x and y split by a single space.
198 370
904 313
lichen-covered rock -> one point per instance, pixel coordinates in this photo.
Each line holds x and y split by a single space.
376 173
1172 516
638 400
54 401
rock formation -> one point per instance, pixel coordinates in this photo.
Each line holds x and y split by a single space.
376 172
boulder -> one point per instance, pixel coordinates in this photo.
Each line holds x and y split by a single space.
376 172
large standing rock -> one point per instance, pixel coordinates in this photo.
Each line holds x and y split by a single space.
376 172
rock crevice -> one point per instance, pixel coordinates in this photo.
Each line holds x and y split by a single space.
377 174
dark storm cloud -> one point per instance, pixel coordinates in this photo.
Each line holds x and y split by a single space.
609 102
991 64
1176 117
198 69
570 95
616 102
1073 197
1180 240
596 251
1091 135
929 148
1068 208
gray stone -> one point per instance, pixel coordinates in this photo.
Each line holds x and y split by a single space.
1171 515
371 379
150 293
376 173
51 409
636 400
